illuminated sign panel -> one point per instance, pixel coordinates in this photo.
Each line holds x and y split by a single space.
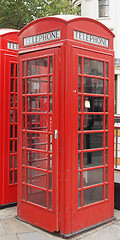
41 38
86 37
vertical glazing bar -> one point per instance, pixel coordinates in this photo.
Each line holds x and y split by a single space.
116 147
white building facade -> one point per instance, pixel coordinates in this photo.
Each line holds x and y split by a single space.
108 13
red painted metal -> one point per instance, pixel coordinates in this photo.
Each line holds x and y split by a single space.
82 112
8 115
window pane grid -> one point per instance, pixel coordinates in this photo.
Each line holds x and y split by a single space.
13 126
96 123
37 126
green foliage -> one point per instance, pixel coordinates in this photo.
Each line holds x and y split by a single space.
17 13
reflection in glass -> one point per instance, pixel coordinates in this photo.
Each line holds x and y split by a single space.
106 122
106 87
79 180
37 85
50 84
11 116
12 100
79 199
106 191
50 181
37 104
12 69
79 103
23 192
93 122
37 141
106 139
36 178
50 103
11 161
92 195
92 159
11 131
37 159
106 70
79 122
106 157
79 160
79 64
23 68
93 67
51 65
50 161
106 174
23 86
106 104
93 104
79 141
12 85
11 146
50 200
37 196
92 177
37 66
79 84
92 140
93 85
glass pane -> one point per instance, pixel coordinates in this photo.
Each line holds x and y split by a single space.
37 196
106 70
79 180
37 104
37 159
37 141
92 177
92 140
50 123
93 67
92 159
37 122
11 146
106 104
106 87
15 146
50 143
79 103
11 116
106 139
23 86
23 157
106 122
79 199
15 100
50 200
23 104
79 84
37 178
93 104
50 181
106 191
12 100
16 86
93 85
106 156
93 122
15 161
79 64
23 192
15 116
92 195
51 65
15 131
79 141
15 176
12 85
11 162
50 104
79 160
106 174
50 84
23 69
50 161
11 177
79 122
11 131
12 69
37 85
37 66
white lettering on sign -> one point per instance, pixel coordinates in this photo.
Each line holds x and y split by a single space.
44 37
91 38
11 45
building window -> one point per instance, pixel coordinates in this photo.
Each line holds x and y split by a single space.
103 8
79 9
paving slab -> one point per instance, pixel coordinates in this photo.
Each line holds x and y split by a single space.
9 237
36 236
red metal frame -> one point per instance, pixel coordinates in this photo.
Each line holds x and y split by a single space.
74 106
8 124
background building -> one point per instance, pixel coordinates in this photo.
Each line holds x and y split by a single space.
107 12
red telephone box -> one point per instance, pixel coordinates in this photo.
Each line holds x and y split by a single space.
8 115
66 123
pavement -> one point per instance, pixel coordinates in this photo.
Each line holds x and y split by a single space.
13 229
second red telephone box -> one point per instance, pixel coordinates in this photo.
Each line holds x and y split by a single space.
66 124
8 115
